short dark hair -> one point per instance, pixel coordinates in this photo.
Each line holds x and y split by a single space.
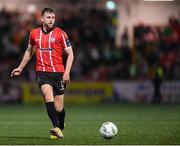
49 10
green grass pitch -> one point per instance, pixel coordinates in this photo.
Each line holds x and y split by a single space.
137 124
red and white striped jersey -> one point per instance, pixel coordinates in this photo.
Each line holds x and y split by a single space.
49 48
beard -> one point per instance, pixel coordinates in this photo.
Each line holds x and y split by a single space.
48 25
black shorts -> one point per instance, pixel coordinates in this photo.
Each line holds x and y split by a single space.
52 78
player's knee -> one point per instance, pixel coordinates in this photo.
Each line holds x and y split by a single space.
48 99
59 108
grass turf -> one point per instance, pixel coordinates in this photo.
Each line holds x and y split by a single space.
137 124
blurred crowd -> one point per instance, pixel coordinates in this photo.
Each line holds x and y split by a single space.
158 50
92 32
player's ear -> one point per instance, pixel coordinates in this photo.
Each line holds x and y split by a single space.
42 19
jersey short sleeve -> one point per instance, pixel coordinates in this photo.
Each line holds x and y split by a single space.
66 44
31 39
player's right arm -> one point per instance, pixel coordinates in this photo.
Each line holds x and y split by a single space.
27 55
26 58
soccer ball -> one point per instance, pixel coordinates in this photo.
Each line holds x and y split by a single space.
108 130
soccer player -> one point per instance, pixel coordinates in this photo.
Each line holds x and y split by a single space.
50 42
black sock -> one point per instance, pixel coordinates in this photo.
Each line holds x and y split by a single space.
52 114
61 116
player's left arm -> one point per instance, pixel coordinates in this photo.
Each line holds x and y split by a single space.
69 61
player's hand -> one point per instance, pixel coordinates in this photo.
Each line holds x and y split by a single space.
66 78
16 72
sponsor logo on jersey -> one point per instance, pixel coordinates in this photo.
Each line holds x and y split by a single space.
46 49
